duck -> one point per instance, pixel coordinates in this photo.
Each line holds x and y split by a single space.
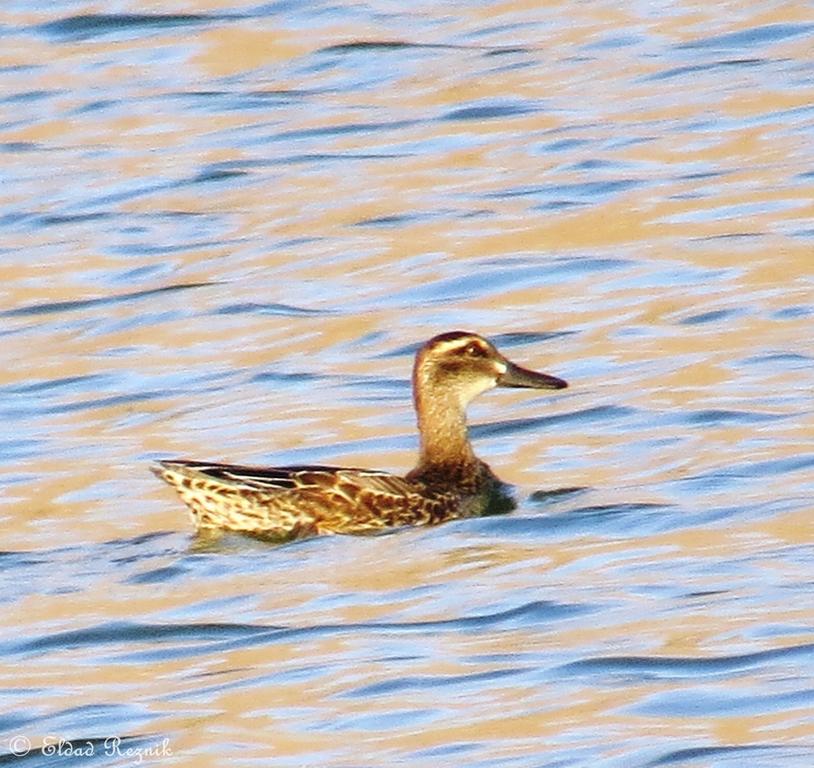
448 482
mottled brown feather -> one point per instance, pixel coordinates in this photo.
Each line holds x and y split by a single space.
298 501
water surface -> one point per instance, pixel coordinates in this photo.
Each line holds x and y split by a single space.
225 230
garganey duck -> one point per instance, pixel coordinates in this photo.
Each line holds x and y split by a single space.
448 482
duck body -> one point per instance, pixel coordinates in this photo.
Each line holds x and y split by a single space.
294 502
449 481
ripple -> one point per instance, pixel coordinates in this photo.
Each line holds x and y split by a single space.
620 519
256 308
73 383
750 471
487 279
702 703
44 398
716 417
55 307
388 687
789 360
365 46
203 638
583 191
748 754
490 111
342 129
752 37
713 316
30 96
679 668
14 449
59 220
519 338
598 413
692 69
88 26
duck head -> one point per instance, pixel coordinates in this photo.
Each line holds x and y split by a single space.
464 365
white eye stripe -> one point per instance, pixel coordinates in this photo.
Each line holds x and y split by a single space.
453 346
460 345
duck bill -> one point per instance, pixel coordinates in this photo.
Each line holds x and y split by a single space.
515 376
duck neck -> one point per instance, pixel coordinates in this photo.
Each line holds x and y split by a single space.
442 427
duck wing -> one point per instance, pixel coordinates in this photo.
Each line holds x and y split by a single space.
304 476
310 498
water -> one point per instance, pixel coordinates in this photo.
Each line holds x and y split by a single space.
224 232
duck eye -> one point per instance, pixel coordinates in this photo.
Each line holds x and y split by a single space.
474 350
